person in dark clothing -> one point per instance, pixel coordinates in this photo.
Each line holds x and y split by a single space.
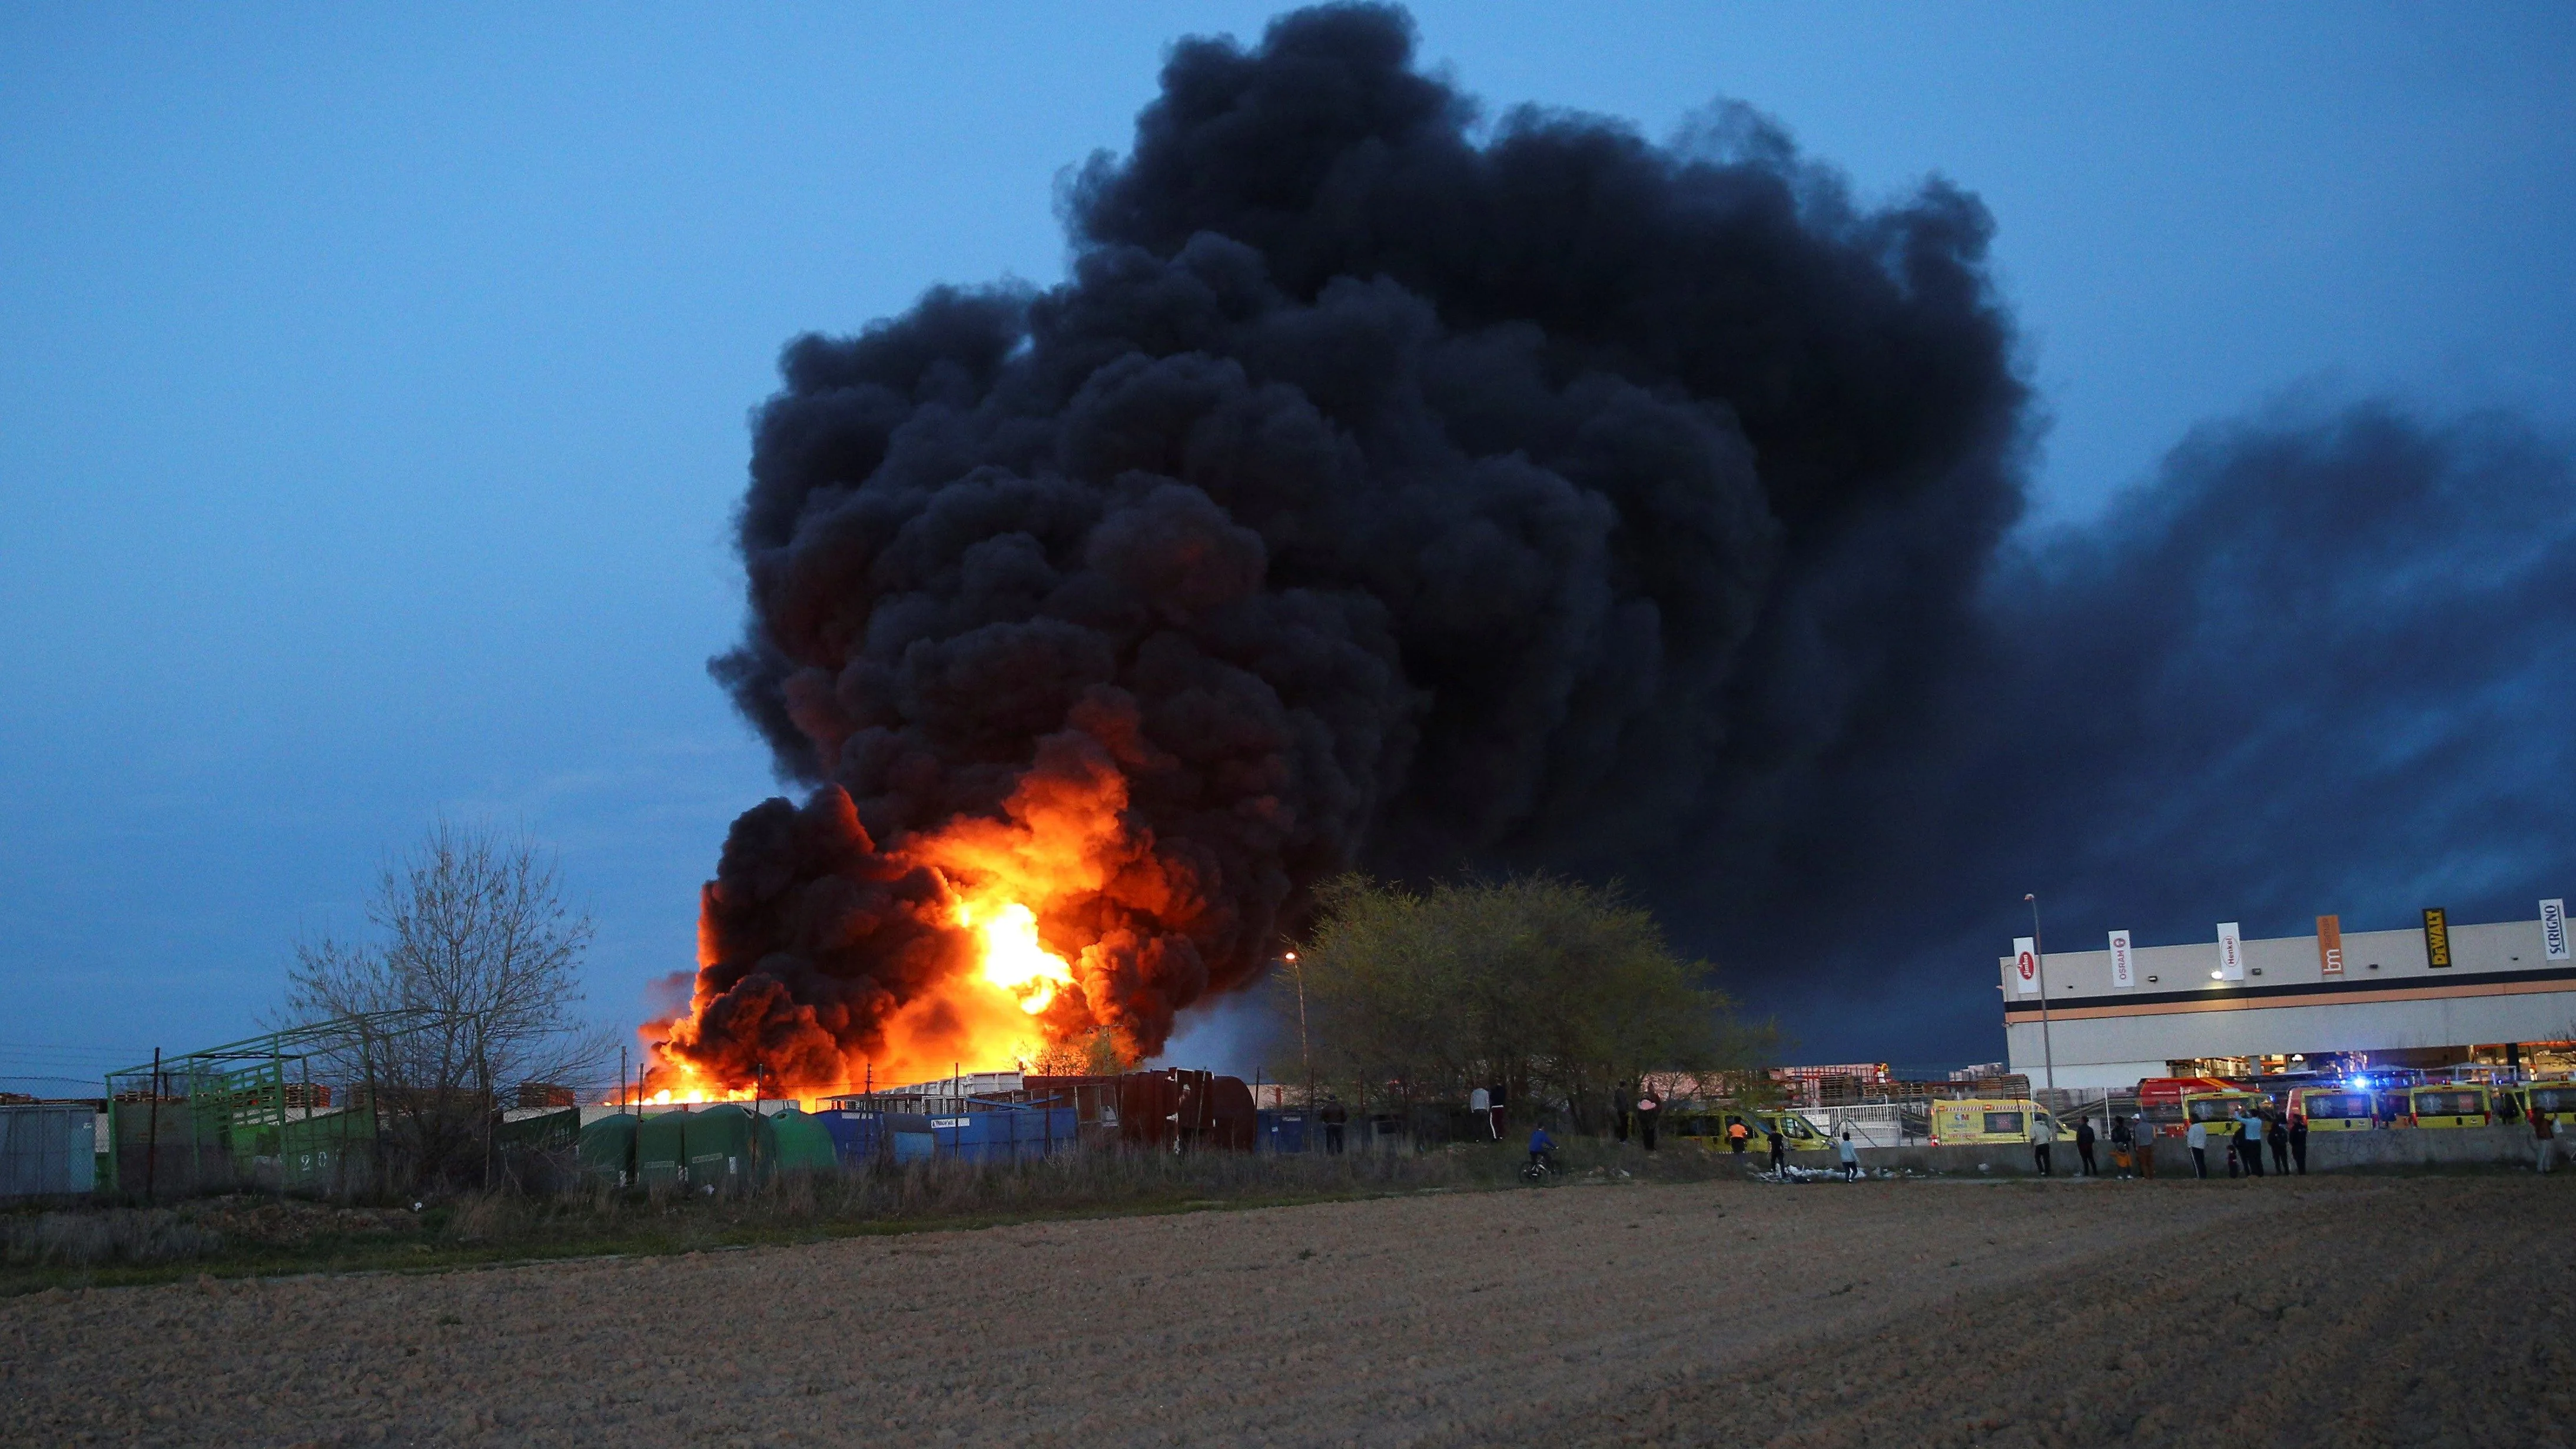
1620 1096
1334 1117
2276 1135
2084 1148
1649 1107
2299 1143
1779 1148
2124 1145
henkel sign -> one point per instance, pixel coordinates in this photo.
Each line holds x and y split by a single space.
2123 974
2330 945
2231 953
2026 965
2553 930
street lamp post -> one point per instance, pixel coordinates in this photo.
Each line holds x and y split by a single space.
2039 959
1305 1054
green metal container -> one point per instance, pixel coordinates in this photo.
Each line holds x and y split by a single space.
607 1151
661 1150
804 1145
729 1148
546 1132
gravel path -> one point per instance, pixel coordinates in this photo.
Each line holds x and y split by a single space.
1727 1313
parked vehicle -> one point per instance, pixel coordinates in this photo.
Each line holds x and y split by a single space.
2459 1104
2160 1101
1799 1134
2218 1111
2555 1098
1979 1120
2333 1109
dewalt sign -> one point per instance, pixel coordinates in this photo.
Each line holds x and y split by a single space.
2437 938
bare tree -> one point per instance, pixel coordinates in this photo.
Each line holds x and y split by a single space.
479 947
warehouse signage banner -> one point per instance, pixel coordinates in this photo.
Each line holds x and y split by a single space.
2122 971
2553 930
2231 953
2026 965
2330 945
2437 939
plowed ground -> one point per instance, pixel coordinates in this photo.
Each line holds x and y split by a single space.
2387 1311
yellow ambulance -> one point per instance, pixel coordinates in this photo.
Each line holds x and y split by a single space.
1796 1132
2556 1099
2456 1104
2218 1111
1982 1120
2332 1109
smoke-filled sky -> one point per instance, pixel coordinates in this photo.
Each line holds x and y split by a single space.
375 405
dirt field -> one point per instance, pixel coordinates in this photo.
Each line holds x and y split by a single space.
2355 1312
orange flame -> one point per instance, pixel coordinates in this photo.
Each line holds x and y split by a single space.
1062 838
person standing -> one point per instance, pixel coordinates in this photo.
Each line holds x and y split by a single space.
1850 1155
1779 1147
1620 1096
1480 1114
2544 1140
2198 1138
2144 1138
2251 1143
2084 1148
2043 1131
1649 1107
2124 1147
1334 1117
1736 1135
2276 1133
2299 1142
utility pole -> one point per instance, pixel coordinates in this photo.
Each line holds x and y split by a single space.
152 1131
2039 959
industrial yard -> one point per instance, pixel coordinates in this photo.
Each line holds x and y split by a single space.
2377 1310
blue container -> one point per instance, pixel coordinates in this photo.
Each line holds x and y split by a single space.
1005 1133
863 1137
1281 1129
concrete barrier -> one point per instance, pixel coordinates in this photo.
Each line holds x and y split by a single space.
2413 1147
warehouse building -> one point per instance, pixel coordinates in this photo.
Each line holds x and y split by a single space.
2502 994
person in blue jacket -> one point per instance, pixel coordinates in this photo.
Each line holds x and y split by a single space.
1542 1148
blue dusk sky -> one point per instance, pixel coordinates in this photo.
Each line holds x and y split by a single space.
373 380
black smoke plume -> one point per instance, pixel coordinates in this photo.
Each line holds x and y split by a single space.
1388 486
1376 489
2318 664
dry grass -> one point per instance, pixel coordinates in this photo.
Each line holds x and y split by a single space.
252 1234
100 1237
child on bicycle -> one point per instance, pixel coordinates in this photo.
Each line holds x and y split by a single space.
1542 1149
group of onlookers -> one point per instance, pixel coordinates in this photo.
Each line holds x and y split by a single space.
2246 1136
2248 1133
